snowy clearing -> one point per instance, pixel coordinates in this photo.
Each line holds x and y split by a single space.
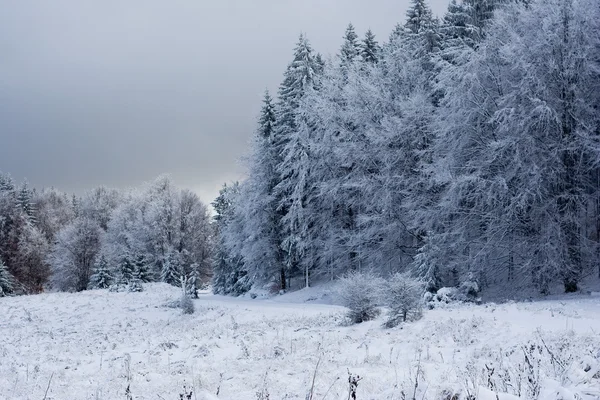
92 345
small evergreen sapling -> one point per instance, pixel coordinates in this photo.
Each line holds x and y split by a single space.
126 270
6 281
186 304
101 278
193 281
171 271
142 269
135 284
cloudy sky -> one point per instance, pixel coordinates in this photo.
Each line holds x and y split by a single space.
116 92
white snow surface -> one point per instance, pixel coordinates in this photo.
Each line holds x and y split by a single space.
93 345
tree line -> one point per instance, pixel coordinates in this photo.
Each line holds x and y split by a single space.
463 149
105 238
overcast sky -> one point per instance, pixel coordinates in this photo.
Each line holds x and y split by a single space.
116 92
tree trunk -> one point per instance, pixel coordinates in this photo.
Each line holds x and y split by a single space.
282 277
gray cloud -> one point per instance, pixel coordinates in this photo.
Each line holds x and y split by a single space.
116 92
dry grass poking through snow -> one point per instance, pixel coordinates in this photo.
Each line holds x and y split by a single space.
95 344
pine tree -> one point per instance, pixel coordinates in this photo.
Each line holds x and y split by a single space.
172 269
351 48
193 282
229 270
261 249
135 285
289 139
125 270
24 201
142 270
6 280
6 183
101 277
370 48
419 17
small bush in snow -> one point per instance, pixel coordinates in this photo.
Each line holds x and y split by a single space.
186 304
466 292
404 296
360 292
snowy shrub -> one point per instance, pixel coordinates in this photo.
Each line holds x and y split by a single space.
404 296
186 304
135 286
467 292
360 292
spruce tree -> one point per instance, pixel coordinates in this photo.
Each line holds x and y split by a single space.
172 269
418 16
300 78
101 277
142 269
370 48
24 201
135 284
6 280
193 281
125 270
351 48
6 183
261 249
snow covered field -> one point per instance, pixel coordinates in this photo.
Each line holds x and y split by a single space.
92 345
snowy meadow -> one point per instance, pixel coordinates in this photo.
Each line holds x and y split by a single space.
97 344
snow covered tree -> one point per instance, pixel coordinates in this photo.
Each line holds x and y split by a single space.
99 204
262 246
25 202
147 223
141 269
73 254
351 48
360 292
6 280
101 277
514 139
172 269
53 210
229 270
193 281
404 296
370 48
30 264
125 270
290 138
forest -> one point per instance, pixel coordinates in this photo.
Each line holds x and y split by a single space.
463 150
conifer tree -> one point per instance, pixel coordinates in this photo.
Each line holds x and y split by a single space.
142 269
172 269
6 280
101 277
370 48
193 281
351 48
24 200
125 270
290 139
418 17
261 248
229 269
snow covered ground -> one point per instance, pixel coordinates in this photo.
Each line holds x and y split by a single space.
92 345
